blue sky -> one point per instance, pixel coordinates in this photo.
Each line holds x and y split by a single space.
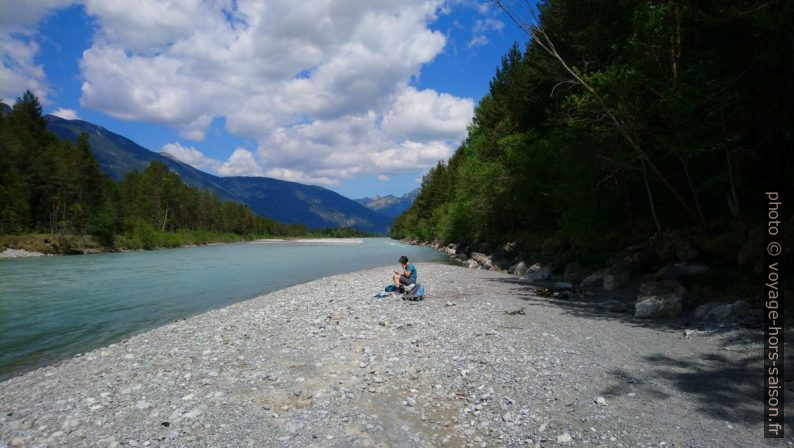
361 100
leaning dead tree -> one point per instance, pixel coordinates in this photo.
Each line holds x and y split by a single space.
523 14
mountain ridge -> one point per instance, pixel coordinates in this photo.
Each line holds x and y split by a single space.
390 205
285 201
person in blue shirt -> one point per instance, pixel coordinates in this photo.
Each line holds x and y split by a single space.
407 276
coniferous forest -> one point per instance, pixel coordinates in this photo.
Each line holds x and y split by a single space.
53 188
625 122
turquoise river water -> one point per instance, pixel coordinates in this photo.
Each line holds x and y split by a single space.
55 307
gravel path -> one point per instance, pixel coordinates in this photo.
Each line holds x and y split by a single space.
482 362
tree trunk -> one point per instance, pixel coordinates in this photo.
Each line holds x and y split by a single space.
165 219
650 198
693 190
733 200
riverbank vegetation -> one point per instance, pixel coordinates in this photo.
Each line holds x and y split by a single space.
624 123
54 199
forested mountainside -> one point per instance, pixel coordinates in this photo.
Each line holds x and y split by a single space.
635 122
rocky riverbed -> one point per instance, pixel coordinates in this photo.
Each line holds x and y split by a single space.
483 361
18 253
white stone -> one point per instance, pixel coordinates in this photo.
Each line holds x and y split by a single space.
564 438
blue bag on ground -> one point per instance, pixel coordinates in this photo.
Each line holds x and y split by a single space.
418 293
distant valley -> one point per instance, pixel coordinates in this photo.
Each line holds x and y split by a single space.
288 202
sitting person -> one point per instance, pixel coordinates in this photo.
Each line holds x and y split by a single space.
407 277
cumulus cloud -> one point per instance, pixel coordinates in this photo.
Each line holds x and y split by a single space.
427 115
20 15
324 87
18 48
66 114
240 163
19 71
191 156
323 152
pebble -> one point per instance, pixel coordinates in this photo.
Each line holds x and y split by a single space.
564 438
601 400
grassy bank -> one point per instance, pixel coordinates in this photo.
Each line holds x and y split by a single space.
66 244
147 238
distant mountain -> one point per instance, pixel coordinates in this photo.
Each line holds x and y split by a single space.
390 205
288 202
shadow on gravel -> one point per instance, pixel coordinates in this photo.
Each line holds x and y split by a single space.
723 388
614 305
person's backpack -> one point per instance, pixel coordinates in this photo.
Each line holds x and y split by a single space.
418 293
391 288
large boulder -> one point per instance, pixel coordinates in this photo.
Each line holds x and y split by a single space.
594 279
484 260
638 258
659 299
574 272
505 255
722 311
615 277
479 257
519 268
684 250
537 272
679 270
472 264
459 257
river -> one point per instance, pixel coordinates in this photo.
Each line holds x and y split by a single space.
52 308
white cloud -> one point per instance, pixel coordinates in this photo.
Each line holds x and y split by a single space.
240 163
20 15
427 115
18 48
383 178
298 176
191 156
19 71
66 114
477 41
324 87
481 28
486 25
325 151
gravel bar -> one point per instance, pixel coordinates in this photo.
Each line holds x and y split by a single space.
482 362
